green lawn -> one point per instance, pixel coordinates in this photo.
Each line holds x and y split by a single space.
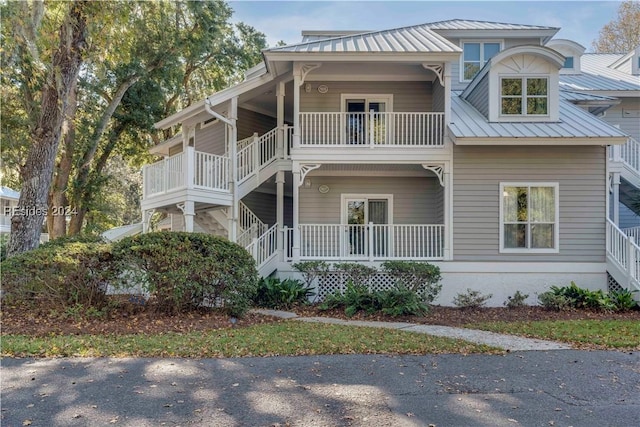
283 338
612 334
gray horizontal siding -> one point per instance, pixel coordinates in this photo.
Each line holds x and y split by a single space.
628 124
479 97
407 96
264 205
416 200
212 138
580 174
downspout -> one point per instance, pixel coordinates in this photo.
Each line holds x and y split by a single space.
232 166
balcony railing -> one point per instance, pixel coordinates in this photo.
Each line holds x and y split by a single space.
370 242
189 169
372 129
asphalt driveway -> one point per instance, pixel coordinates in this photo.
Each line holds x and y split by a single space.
528 388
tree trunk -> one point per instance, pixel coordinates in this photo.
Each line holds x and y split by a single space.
57 224
26 224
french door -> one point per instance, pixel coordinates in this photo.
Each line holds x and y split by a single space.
365 123
363 234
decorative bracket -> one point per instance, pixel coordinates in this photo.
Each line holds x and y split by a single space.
438 69
181 207
438 170
305 169
306 69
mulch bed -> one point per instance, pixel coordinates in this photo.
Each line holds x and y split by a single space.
453 316
132 320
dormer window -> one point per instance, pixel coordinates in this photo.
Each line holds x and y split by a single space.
568 62
525 96
475 55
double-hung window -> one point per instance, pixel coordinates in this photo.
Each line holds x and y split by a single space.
529 217
526 96
475 55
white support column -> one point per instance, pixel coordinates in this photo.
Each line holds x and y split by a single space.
615 192
447 96
233 153
296 217
146 219
280 213
448 214
297 81
280 93
188 211
190 167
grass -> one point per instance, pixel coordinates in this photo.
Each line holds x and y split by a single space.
282 338
611 334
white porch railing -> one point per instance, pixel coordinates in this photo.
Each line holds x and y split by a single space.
630 154
252 227
372 129
370 242
186 170
625 253
264 247
261 151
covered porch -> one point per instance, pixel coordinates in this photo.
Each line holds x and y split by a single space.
369 213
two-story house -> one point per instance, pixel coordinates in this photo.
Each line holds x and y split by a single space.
461 143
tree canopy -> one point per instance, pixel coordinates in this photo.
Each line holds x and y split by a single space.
139 62
621 35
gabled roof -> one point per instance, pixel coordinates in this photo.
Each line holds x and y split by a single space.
416 39
575 126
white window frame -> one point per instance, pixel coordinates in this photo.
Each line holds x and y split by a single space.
482 61
556 228
368 97
524 96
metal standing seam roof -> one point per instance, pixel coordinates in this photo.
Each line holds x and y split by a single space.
414 39
573 96
467 122
465 24
597 75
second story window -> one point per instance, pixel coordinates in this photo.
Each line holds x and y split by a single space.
475 55
524 96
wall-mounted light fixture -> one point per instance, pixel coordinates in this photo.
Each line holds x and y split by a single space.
307 183
307 87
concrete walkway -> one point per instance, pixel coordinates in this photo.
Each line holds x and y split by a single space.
505 342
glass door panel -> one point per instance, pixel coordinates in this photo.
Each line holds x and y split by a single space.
356 236
378 214
356 109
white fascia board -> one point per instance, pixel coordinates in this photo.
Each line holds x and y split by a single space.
498 141
413 57
614 93
215 99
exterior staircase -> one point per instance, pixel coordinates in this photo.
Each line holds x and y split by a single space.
623 252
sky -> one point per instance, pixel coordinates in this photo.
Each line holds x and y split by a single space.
579 21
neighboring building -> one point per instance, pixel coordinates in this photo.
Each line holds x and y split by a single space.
9 202
481 147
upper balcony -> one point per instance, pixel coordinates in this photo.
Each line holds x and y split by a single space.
372 129
192 175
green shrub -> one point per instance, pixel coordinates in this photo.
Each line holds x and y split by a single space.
358 274
312 270
355 298
274 293
623 300
584 298
552 301
68 273
421 278
402 302
183 271
471 299
516 300
398 301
